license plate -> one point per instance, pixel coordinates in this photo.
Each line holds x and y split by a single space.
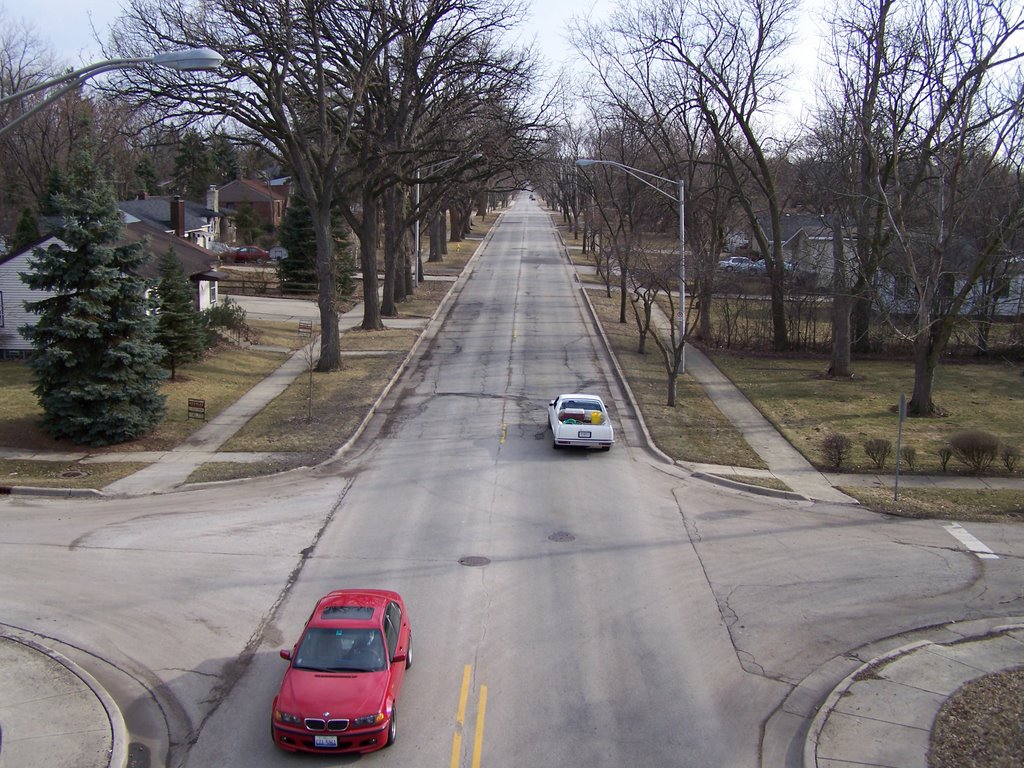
325 741
584 433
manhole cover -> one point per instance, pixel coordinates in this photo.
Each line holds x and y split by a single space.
474 561
561 536
73 474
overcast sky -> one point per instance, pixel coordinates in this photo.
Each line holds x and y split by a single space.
67 27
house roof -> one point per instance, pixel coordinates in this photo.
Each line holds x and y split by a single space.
251 191
157 212
791 224
196 261
42 242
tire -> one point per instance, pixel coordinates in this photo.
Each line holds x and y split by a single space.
392 728
554 444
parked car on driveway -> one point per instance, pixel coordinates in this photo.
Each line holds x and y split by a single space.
340 691
250 254
739 264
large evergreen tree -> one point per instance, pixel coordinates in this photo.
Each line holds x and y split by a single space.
27 231
298 272
96 363
179 326
194 167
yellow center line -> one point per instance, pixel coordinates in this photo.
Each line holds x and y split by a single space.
456 749
504 433
478 741
460 717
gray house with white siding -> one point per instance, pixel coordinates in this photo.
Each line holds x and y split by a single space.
199 264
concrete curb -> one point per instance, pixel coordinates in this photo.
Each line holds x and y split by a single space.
758 490
29 490
620 375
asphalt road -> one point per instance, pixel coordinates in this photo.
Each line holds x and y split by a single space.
578 608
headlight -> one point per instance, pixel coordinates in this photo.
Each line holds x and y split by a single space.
287 717
365 722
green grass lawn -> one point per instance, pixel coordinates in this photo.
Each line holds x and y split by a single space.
805 405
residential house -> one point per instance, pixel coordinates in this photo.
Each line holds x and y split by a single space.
195 222
806 244
268 199
200 266
997 295
13 295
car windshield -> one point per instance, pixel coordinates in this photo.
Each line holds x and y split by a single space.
341 650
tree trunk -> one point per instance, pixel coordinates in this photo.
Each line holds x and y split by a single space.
368 265
840 366
388 307
327 290
780 336
926 360
436 237
861 323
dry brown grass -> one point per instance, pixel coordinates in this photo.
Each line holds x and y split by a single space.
982 724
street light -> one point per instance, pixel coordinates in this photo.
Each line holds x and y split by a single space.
634 172
185 60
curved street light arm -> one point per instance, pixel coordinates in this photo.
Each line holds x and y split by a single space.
584 163
187 60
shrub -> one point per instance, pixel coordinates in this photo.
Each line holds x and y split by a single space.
909 455
878 450
945 454
230 317
975 448
1010 456
836 448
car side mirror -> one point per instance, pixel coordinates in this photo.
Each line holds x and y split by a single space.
399 658
286 655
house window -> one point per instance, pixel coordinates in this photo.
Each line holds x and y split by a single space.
213 293
2 313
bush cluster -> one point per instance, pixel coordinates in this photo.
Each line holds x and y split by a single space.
975 449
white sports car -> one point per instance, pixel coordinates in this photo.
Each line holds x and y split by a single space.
578 419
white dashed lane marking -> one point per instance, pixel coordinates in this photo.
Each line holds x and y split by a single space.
973 544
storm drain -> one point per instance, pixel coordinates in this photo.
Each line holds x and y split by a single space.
73 474
474 561
561 536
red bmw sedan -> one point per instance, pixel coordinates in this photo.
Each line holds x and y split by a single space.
345 674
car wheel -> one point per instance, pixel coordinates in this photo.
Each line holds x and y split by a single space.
408 654
606 447
392 728
554 444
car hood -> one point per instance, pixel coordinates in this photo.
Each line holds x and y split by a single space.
343 694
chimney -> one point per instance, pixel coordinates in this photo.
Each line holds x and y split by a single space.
178 216
213 199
